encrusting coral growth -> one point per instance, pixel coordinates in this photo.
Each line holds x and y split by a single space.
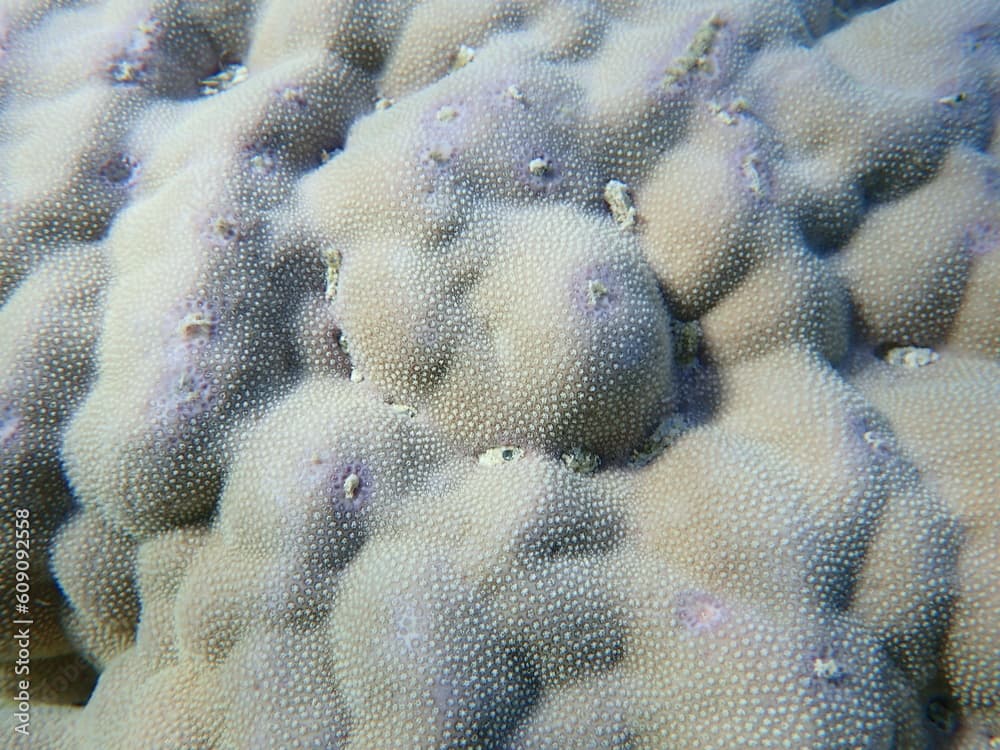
501 374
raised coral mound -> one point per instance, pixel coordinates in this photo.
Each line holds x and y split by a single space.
500 374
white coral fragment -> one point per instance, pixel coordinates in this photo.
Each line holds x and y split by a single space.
404 410
581 461
827 668
447 113
231 75
333 259
501 454
514 92
539 166
695 57
667 433
911 356
954 99
596 291
196 327
749 166
463 57
619 200
351 485
729 114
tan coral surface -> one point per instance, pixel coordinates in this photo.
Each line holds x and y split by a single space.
563 374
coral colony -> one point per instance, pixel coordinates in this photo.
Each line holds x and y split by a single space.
500 374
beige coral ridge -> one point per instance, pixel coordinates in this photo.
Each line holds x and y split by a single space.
500 374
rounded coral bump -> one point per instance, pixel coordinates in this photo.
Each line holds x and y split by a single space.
500 374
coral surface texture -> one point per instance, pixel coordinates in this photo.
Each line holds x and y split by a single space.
500 374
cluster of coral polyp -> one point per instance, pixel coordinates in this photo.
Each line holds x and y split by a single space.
502 374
